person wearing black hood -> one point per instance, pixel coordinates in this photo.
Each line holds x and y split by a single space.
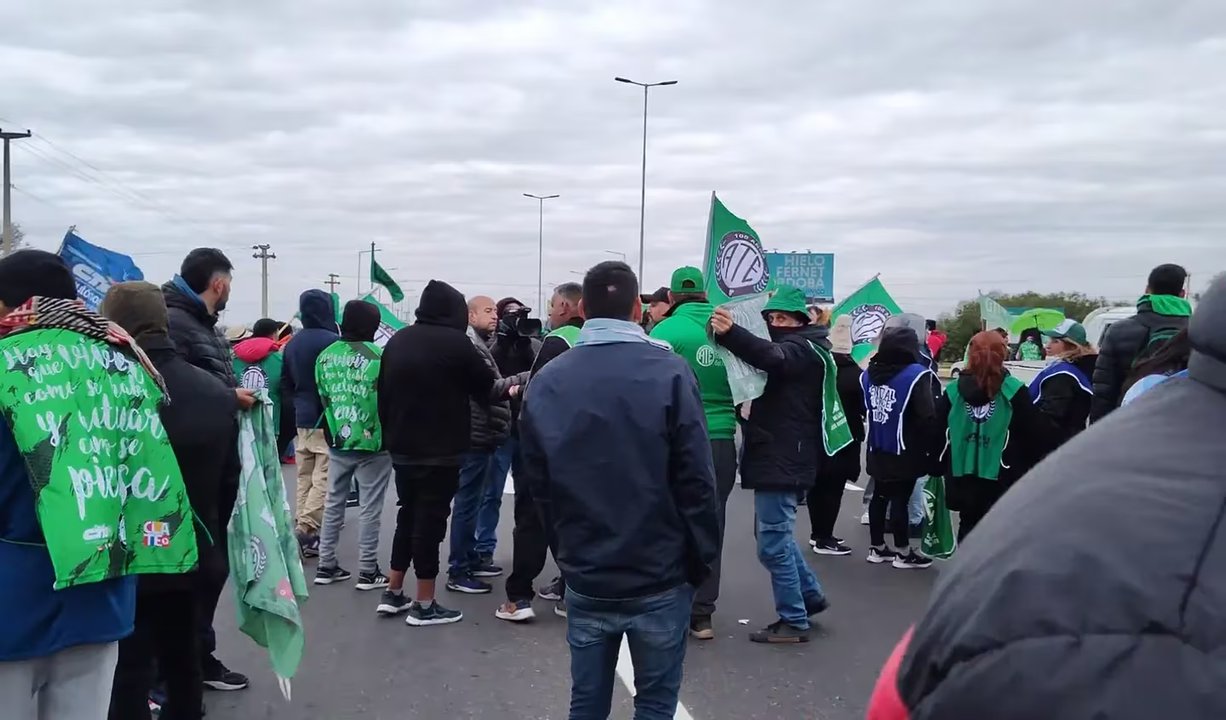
901 440
194 299
783 449
311 447
430 371
346 374
199 420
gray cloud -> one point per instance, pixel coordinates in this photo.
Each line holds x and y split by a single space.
950 146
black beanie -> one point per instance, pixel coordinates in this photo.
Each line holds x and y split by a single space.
27 273
360 321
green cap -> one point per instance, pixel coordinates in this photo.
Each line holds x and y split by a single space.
1069 330
788 298
687 280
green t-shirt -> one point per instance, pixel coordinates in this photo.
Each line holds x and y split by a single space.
979 434
686 331
107 488
346 374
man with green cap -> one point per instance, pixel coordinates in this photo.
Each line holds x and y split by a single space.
684 327
796 423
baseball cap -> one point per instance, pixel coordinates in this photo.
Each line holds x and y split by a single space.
659 296
1069 330
687 279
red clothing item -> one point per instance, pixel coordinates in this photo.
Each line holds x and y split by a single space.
254 350
886 703
936 341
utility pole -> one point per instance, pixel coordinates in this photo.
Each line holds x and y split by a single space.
332 282
643 186
263 256
7 247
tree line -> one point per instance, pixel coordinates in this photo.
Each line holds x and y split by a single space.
962 324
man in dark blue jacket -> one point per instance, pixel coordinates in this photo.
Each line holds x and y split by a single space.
616 453
319 330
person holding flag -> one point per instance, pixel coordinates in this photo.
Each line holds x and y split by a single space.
684 328
799 406
1062 391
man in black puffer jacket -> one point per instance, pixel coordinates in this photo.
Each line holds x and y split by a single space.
491 427
1095 587
783 449
194 298
1161 312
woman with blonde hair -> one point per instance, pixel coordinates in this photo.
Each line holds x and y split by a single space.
1063 391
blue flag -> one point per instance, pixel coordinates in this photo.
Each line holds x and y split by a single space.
96 269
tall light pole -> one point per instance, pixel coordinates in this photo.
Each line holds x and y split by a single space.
643 192
621 255
7 246
261 253
540 250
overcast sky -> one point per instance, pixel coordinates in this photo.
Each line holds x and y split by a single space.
949 145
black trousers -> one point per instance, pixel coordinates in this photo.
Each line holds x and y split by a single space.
211 587
165 636
531 544
723 453
425 493
891 495
824 500
973 497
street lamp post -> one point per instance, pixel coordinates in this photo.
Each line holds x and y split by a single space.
540 250
621 255
643 190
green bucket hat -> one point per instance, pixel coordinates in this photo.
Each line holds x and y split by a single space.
789 299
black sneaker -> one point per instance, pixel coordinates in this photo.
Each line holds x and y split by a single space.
469 585
701 629
780 633
327 576
881 555
912 561
815 604
352 500
373 580
434 615
219 677
553 591
392 603
308 543
831 546
487 569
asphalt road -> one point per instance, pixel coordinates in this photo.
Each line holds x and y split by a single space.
360 666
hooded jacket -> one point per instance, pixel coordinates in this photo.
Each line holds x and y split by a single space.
319 330
685 330
193 330
430 372
1037 616
1064 404
491 421
898 348
783 436
1120 346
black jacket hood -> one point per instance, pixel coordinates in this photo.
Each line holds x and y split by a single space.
443 305
194 306
1207 331
899 348
360 321
316 311
968 388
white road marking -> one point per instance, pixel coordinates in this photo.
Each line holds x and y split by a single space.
625 671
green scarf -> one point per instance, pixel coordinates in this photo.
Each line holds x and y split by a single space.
836 433
1169 305
108 491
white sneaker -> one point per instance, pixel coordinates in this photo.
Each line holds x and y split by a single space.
864 518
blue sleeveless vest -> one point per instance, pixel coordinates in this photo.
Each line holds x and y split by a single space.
887 404
1058 368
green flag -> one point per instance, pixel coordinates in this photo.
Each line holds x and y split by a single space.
379 276
940 540
869 308
388 322
734 265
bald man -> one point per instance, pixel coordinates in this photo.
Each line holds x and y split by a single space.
491 426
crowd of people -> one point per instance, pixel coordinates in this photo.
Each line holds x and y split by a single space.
471 391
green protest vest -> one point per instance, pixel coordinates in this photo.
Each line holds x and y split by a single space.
346 374
978 435
108 492
264 375
568 333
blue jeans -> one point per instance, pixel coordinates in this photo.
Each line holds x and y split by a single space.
474 470
655 628
505 456
791 579
915 506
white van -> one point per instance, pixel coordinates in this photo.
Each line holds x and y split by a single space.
1097 322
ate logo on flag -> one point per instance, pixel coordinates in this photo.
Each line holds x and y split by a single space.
740 265
867 322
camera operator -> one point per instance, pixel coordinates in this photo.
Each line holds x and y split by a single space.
515 345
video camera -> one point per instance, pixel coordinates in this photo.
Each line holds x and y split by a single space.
517 324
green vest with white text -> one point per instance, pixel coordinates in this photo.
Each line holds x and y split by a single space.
346 374
979 434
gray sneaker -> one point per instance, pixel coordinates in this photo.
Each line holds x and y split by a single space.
780 633
434 615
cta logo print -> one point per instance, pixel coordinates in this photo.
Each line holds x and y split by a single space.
157 533
867 322
740 265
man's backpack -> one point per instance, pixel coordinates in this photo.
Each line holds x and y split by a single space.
1159 335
